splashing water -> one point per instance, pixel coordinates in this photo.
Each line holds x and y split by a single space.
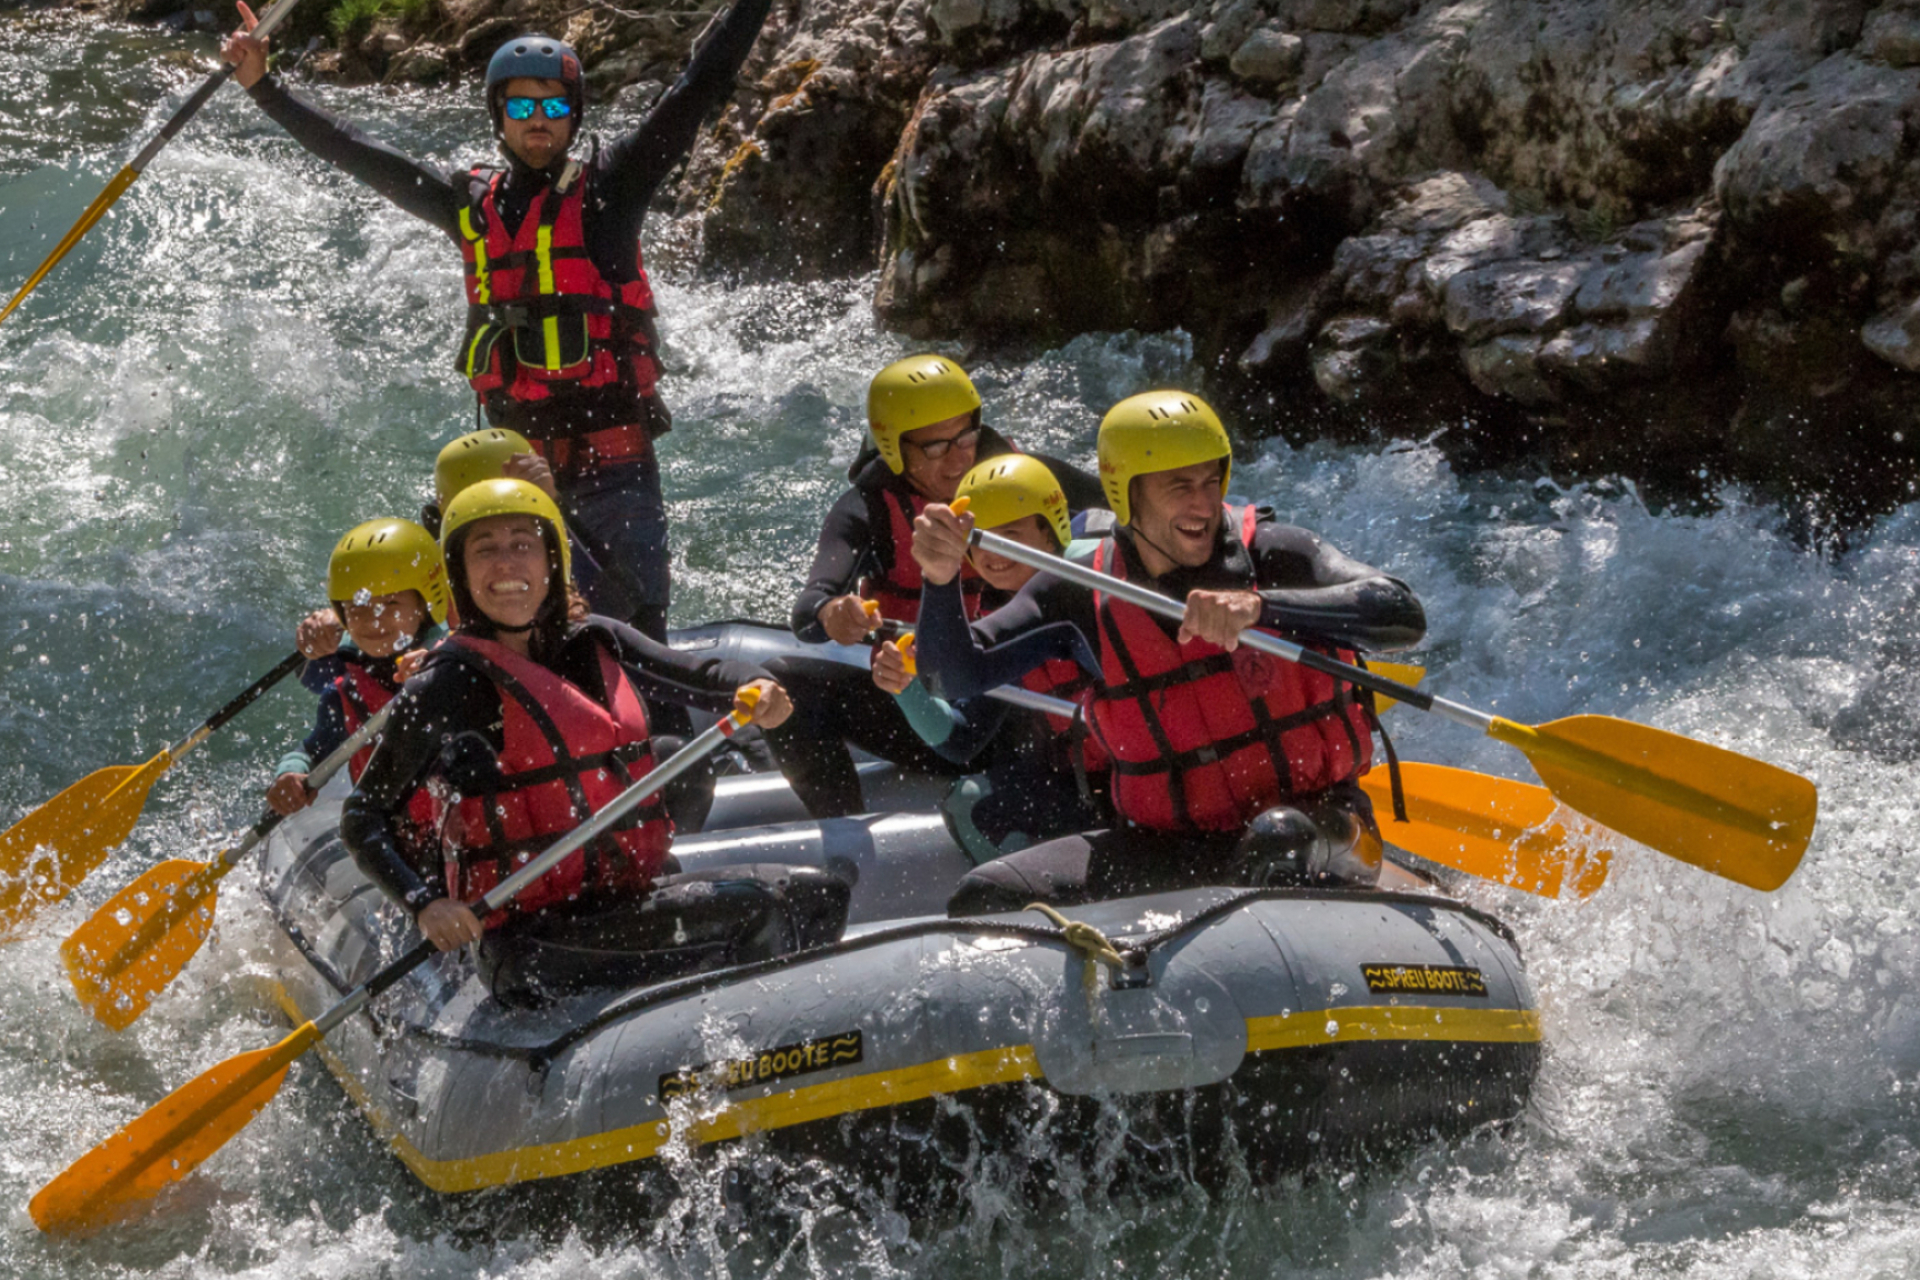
252 354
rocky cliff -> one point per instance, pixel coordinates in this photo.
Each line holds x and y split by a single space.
1671 238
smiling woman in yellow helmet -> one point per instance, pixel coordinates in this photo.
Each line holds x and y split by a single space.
388 589
530 722
495 453
1228 766
924 433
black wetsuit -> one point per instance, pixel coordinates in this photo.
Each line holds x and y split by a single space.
680 920
1308 588
616 507
837 704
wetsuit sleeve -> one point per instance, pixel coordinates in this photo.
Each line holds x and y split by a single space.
586 570
1045 620
318 675
976 722
932 718
419 190
1082 490
329 728
636 165
663 672
1310 588
845 552
444 701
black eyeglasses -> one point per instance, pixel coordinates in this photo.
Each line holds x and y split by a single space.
934 450
554 108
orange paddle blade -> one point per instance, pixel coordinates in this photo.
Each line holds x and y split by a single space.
141 939
1405 673
51 850
1493 828
170 1140
1726 813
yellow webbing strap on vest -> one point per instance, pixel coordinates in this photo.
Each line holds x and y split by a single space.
1087 940
549 327
482 276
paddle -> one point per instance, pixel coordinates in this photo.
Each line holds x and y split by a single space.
1493 828
1723 812
86 821
174 1135
142 937
136 166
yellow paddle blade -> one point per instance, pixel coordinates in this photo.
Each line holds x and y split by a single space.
141 939
1404 672
170 1140
1493 828
94 212
1726 813
45 854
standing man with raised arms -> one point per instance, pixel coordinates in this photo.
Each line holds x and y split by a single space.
560 343
1229 766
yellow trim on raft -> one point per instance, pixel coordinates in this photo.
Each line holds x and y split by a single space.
1393 1022
893 1088
639 1142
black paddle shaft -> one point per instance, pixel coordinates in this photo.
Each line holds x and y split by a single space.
246 697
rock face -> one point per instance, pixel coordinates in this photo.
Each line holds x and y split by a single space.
1674 238
1677 239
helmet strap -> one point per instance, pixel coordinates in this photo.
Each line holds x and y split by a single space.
1135 533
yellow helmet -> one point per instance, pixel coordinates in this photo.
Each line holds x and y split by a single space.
913 393
1011 487
384 557
478 455
489 498
1157 431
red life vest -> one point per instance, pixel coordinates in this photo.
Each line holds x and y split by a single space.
898 587
565 757
545 323
1203 739
362 695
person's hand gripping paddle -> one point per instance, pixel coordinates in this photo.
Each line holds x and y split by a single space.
1718 810
136 166
51 850
181 1130
142 937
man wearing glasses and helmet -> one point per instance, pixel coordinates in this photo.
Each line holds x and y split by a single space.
560 344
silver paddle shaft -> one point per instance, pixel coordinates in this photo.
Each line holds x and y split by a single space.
1152 601
503 893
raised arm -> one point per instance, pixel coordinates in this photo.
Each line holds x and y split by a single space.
638 163
419 190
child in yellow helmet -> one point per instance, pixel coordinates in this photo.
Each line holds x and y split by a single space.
388 590
1033 782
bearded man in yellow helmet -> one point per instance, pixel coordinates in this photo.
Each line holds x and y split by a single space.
526 722
1229 766
924 434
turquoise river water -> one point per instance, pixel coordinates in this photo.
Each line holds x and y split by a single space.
251 353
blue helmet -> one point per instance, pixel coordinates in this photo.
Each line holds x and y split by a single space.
534 57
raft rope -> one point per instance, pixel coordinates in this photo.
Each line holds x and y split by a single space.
1088 941
1131 953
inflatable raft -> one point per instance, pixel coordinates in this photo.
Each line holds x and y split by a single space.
1242 1031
